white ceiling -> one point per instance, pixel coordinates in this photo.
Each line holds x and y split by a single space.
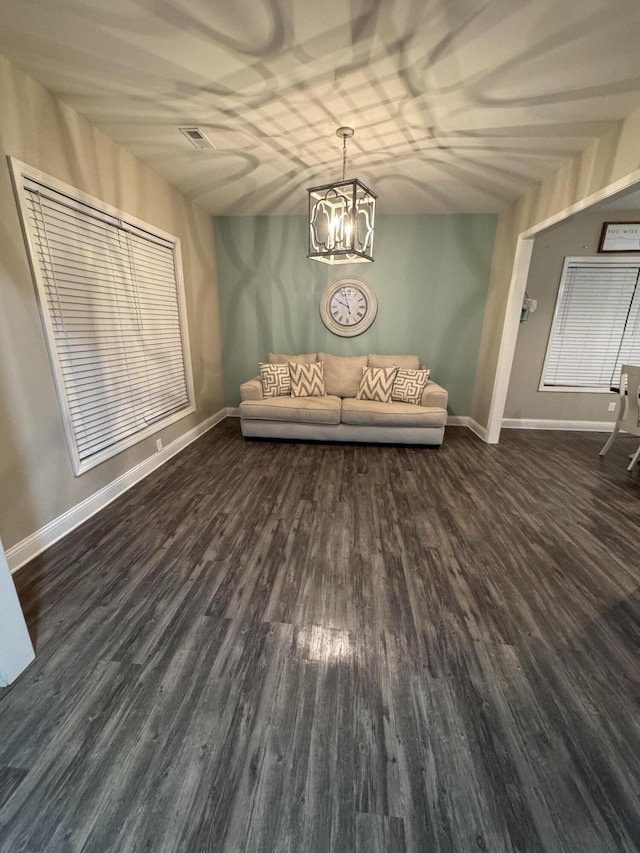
458 105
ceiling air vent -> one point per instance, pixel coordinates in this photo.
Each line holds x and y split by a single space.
196 137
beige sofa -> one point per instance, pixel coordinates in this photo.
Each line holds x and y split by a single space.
339 416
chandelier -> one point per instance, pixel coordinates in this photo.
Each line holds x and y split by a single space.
341 217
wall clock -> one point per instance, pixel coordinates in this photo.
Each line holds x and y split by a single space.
348 307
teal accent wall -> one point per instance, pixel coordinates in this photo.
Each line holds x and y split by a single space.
430 275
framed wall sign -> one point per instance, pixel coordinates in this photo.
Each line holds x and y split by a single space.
620 237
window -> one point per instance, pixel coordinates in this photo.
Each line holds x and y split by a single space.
596 325
112 305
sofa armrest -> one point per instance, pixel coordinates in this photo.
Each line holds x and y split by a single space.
251 390
435 395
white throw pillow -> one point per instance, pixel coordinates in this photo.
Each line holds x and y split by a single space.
377 384
307 380
409 385
276 380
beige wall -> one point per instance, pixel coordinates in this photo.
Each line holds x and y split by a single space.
36 480
575 237
610 158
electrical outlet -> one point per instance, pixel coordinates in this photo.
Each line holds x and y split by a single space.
612 407
159 444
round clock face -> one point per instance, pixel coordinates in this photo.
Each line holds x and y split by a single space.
348 307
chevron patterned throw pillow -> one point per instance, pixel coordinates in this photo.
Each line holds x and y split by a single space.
409 385
307 380
276 381
376 384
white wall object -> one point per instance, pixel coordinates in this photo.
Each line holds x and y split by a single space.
16 649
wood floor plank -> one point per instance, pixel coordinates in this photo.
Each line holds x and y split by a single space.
10 778
379 834
273 646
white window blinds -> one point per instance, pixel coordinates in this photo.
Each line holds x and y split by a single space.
629 352
596 325
110 296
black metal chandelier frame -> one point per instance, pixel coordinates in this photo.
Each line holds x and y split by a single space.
341 217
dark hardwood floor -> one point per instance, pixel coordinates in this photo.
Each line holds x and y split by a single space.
294 647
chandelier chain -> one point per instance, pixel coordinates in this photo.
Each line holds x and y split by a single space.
344 157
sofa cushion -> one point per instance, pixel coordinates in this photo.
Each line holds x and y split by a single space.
252 389
276 380
315 410
377 384
342 373
409 385
411 362
434 395
307 380
372 413
303 358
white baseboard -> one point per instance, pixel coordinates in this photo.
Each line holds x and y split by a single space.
457 420
233 412
469 423
479 430
543 423
46 536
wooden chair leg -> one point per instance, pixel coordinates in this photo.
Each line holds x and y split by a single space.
634 459
609 440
